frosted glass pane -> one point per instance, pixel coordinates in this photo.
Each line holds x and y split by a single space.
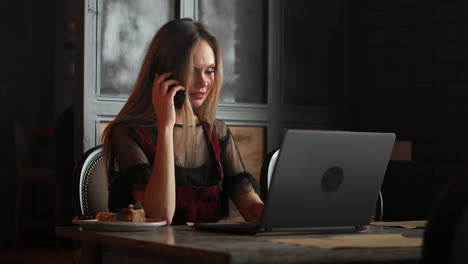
239 26
125 30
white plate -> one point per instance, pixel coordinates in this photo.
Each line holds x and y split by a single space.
94 224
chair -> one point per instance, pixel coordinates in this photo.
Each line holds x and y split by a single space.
26 176
90 183
267 171
446 232
459 252
268 167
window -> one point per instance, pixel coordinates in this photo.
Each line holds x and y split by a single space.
126 28
241 29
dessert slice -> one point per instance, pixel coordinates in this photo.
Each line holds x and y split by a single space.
133 213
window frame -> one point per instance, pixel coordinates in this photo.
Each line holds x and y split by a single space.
272 115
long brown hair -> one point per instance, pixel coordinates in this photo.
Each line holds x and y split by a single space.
171 49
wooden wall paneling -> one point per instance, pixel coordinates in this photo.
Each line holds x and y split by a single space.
251 143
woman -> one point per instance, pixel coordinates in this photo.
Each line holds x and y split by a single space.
180 164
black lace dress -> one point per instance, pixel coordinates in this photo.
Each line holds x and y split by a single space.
202 191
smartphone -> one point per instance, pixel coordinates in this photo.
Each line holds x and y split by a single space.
179 97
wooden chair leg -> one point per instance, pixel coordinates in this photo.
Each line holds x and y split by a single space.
56 192
17 217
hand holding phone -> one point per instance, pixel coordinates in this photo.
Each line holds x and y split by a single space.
179 97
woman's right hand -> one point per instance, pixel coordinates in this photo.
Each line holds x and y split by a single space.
163 100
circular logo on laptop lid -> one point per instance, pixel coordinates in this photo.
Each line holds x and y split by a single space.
332 179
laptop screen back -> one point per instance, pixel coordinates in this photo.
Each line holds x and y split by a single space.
326 179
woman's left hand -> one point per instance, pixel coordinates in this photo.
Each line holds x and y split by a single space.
250 206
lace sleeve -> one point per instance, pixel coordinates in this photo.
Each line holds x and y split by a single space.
126 150
129 169
236 179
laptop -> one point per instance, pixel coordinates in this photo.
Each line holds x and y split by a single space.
324 181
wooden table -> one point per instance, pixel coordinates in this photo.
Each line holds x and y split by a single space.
182 244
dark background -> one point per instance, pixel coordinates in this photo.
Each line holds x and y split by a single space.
409 75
